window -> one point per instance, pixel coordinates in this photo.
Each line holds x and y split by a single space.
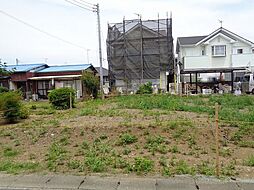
239 51
252 50
203 52
219 50
68 84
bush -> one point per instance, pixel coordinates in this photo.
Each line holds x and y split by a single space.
3 89
60 98
11 106
91 83
145 89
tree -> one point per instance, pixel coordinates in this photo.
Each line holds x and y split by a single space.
3 71
91 83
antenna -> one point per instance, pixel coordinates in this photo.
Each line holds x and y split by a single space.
139 15
221 21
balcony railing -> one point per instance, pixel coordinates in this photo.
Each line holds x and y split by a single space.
197 62
242 60
235 60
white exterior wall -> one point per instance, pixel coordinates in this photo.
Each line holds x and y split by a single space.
193 59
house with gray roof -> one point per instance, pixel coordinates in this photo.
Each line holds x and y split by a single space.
222 52
104 74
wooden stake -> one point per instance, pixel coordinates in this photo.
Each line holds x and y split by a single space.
217 139
70 100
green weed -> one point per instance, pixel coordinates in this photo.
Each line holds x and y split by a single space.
127 138
249 161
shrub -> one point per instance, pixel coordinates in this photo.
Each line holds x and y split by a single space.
3 89
145 89
60 98
11 106
91 83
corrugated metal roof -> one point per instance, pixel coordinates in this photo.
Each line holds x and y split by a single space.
24 67
65 68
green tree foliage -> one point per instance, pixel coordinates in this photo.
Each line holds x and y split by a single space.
3 89
60 98
11 106
145 89
91 83
2 69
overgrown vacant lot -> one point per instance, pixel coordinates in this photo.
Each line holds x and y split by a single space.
150 135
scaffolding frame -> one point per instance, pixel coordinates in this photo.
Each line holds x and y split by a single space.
138 51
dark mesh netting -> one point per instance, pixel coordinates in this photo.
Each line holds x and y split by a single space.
140 50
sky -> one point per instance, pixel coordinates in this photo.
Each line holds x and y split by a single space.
79 26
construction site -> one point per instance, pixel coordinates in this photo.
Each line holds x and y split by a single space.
139 52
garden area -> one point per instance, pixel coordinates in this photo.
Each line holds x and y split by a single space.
136 135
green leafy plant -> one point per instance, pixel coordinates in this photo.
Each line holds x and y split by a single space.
11 106
145 89
250 161
3 89
91 83
127 138
55 156
9 152
60 98
142 165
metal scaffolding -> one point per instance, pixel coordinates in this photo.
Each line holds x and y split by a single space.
138 51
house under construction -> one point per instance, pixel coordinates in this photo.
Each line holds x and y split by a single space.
139 52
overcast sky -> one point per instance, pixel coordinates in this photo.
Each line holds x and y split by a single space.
68 22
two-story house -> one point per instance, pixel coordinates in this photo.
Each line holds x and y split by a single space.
222 51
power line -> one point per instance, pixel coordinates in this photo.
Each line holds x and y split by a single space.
84 3
87 2
80 6
42 31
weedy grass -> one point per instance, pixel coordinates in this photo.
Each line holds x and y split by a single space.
17 167
127 138
56 156
9 152
249 161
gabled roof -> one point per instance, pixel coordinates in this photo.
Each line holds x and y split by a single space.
144 27
192 40
25 67
227 33
188 41
66 68
196 40
104 71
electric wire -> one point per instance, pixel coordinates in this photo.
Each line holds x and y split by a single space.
80 2
80 6
40 30
87 2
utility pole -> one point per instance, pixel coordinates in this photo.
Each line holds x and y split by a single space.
100 53
93 8
87 56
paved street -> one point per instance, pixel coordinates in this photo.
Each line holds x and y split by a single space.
27 182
